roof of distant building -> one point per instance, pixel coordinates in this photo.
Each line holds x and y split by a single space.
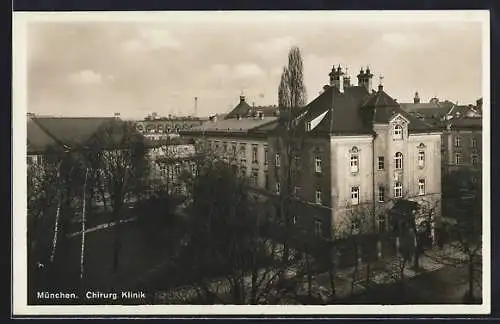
243 125
49 132
243 109
466 122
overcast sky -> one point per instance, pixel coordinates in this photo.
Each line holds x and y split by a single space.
98 68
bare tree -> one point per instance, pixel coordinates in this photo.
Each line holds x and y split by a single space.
462 196
231 262
292 98
119 153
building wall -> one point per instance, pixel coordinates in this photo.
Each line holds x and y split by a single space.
450 150
260 166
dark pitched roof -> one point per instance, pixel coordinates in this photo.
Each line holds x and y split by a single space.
243 109
47 132
343 118
37 139
355 111
466 122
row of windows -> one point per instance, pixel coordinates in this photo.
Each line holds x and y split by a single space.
242 150
458 142
474 159
355 193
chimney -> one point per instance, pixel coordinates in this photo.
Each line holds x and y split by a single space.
416 99
365 79
336 78
380 87
347 81
242 98
117 115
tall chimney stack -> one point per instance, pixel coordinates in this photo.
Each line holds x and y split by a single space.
195 106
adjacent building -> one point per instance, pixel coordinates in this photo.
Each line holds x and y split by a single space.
461 126
241 138
157 128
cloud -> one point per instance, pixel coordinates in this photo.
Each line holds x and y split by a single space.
152 39
403 41
88 77
248 70
274 47
219 70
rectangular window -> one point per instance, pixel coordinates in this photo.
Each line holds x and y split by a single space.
354 163
233 148
398 190
243 152
216 145
177 169
458 158
317 164
318 227
421 159
254 153
29 160
243 171
421 187
266 150
458 141
474 159
473 142
277 160
381 163
277 188
194 169
318 196
381 194
354 195
296 191
224 147
255 176
266 179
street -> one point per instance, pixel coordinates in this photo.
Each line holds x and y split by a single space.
444 286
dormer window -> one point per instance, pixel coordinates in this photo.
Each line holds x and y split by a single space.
398 132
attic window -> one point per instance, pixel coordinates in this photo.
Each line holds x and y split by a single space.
398 132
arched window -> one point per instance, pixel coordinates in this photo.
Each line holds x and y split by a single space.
421 159
354 159
398 132
398 190
398 160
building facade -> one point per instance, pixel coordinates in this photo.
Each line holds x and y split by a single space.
240 138
359 153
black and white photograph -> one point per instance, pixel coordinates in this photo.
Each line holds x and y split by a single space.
235 162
